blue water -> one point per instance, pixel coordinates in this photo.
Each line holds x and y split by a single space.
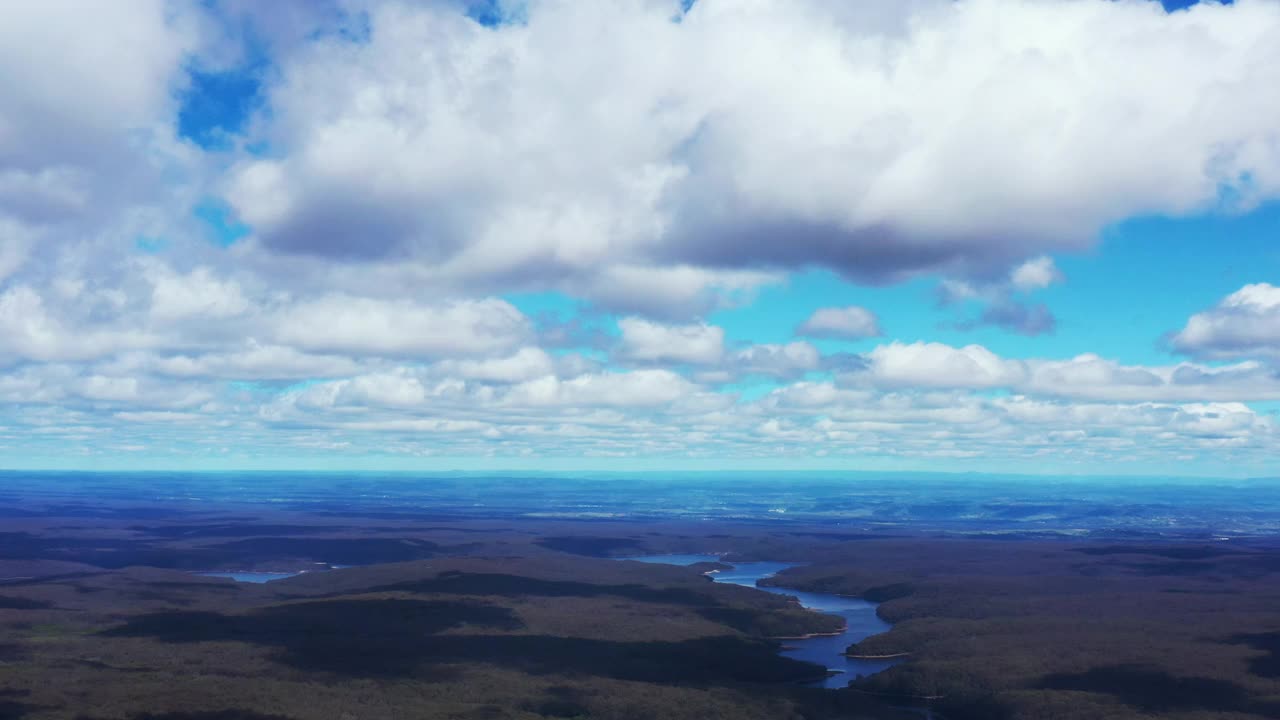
859 615
251 577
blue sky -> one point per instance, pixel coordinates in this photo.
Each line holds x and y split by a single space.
1029 236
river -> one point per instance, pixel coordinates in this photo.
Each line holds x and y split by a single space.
860 617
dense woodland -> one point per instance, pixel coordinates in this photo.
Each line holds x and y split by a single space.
1016 629
101 620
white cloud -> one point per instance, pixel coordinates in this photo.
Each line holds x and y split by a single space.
1035 274
35 385
1157 424
63 42
646 341
1092 377
159 416
848 323
638 388
1084 377
85 126
967 425
28 331
526 363
1245 323
1003 308
15 246
927 364
385 389
670 291
254 362
893 142
196 294
98 387
125 393
782 361
338 323
817 395
421 426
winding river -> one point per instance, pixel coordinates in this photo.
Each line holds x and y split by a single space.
860 618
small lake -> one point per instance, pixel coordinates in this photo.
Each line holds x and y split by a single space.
250 577
859 615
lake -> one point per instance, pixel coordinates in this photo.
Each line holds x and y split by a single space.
250 577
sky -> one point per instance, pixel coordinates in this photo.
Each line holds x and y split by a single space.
1028 236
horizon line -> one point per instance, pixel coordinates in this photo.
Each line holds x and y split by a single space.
576 473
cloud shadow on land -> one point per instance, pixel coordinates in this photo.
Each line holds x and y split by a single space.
591 546
228 714
403 638
11 707
1153 690
1267 665
498 584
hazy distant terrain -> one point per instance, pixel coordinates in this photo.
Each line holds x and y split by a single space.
892 503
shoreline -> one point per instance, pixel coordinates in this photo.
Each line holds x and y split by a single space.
792 645
809 636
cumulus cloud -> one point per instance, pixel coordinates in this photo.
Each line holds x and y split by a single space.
1084 377
897 142
1005 307
199 323
646 341
928 364
788 361
338 323
159 416
845 323
1029 319
1246 323
638 388
196 294
15 245
392 389
1035 274
31 332
89 158
255 361
63 132
527 363
669 292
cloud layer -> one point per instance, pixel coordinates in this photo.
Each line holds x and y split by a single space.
345 271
